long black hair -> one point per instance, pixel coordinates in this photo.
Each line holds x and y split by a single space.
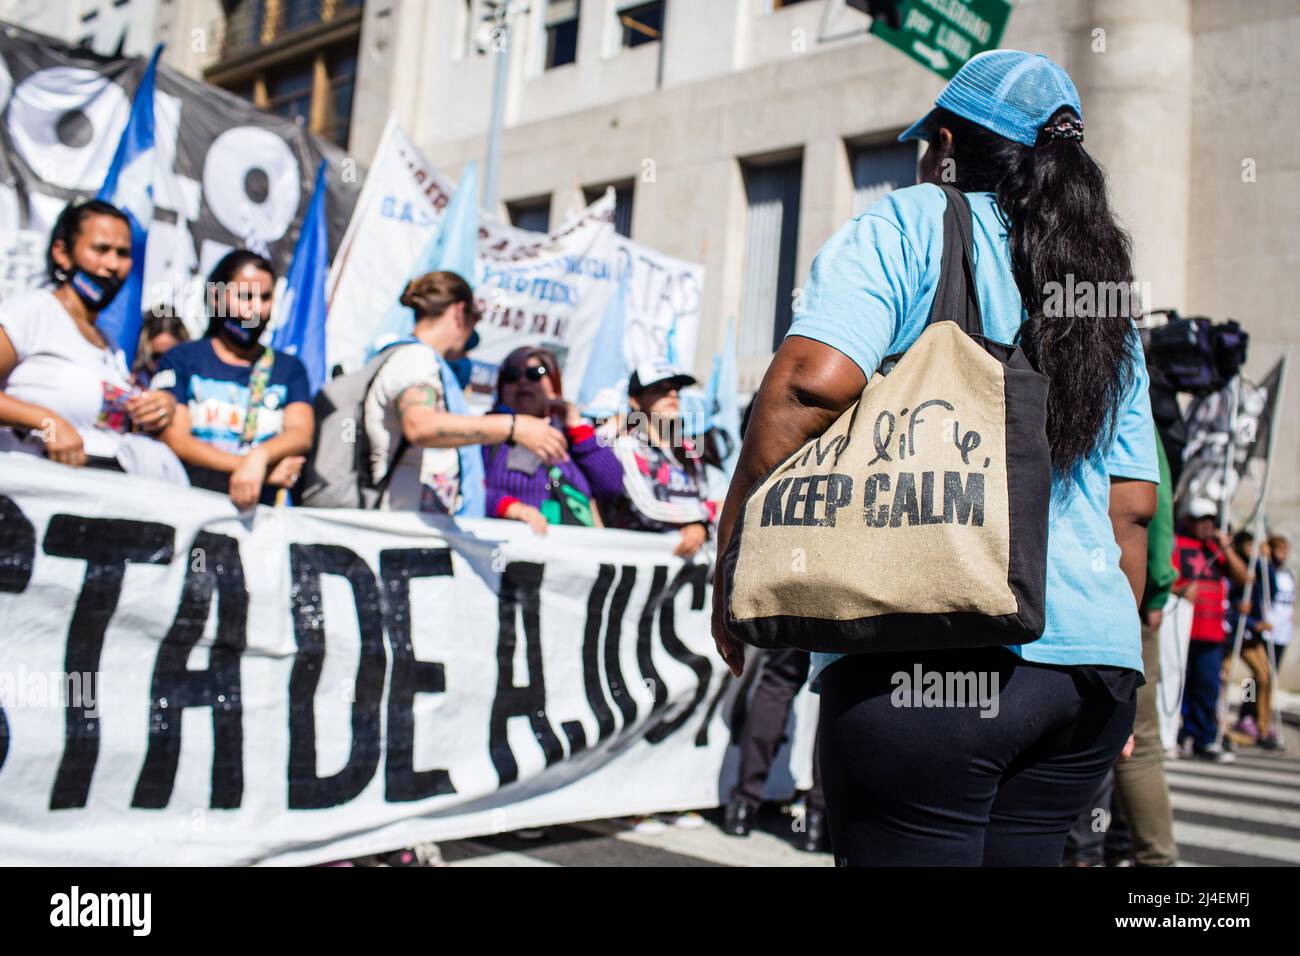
68 226
1062 235
221 274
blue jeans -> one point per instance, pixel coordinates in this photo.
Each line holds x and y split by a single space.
1201 693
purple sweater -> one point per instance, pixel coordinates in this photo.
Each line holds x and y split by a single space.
592 468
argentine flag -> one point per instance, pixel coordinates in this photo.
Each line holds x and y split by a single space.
129 187
301 331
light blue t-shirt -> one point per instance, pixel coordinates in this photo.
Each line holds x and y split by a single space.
869 296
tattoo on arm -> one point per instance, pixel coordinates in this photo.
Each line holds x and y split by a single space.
474 436
417 396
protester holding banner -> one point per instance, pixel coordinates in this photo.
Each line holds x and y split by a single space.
942 785
518 486
244 418
67 394
663 473
160 332
1207 559
420 443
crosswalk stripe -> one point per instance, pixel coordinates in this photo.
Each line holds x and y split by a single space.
1213 837
489 856
710 843
1238 810
1235 771
1177 778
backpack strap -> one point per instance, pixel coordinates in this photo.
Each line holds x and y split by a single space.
363 445
955 297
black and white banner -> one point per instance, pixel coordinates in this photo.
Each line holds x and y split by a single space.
180 685
228 174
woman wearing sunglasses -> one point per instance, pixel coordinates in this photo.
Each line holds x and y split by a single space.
522 487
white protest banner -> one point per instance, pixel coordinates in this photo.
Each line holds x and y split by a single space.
182 686
527 278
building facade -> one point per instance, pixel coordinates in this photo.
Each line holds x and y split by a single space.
742 133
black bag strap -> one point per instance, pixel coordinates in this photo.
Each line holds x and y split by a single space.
956 298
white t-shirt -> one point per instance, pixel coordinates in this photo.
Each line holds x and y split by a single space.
425 479
59 369
1283 610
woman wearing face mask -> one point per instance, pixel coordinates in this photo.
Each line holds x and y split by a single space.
161 331
244 417
65 392
520 486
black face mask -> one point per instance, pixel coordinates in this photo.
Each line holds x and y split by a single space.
240 334
95 291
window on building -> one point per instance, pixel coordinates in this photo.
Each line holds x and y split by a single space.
642 23
561 32
772 190
878 170
341 68
623 193
288 92
531 214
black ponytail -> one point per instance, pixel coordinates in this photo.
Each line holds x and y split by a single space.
1063 236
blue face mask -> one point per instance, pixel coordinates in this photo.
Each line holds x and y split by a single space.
95 291
241 334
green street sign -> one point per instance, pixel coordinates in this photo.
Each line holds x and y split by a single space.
944 34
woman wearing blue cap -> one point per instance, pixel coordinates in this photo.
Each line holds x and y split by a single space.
960 785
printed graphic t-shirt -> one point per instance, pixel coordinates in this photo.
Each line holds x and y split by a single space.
869 295
217 397
60 369
1203 563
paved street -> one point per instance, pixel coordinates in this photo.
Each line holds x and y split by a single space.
1242 814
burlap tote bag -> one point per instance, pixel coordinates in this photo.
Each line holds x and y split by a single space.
919 519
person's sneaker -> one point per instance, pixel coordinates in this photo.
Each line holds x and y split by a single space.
531 834
647 826
690 820
739 819
1213 754
1247 728
1268 743
1186 749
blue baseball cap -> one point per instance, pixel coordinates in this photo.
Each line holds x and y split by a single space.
1010 92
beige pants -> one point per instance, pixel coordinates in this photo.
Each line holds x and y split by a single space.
1140 781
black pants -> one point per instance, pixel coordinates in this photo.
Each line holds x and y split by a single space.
782 677
944 786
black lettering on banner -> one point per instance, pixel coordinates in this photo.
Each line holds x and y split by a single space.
17 553
17 547
402 782
307 564
928 515
521 588
882 444
875 517
702 735
968 503
613 640
772 503
694 575
904 501
591 653
106 545
175 687
645 634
